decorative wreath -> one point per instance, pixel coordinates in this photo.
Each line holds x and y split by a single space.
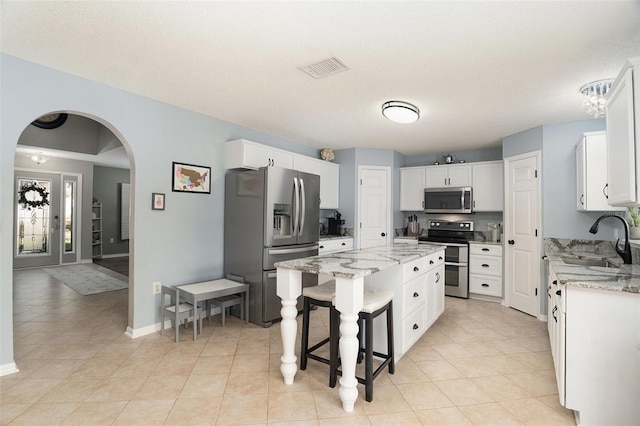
34 203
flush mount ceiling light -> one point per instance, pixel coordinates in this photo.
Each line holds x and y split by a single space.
400 112
593 97
38 158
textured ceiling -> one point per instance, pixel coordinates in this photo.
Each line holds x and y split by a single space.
478 71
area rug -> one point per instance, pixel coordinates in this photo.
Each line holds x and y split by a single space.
88 279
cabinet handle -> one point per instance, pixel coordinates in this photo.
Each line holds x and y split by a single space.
415 326
416 269
549 292
604 191
559 293
484 265
485 285
415 294
431 262
423 204
344 244
555 282
581 199
474 204
321 246
440 258
383 234
437 276
553 313
485 249
512 242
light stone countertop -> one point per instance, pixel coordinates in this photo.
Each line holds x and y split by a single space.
360 263
626 278
325 237
493 243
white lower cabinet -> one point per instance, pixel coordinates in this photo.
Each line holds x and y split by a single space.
485 270
418 300
595 346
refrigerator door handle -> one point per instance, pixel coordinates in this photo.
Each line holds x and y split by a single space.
293 250
296 206
303 210
272 275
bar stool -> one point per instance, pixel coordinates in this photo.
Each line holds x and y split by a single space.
375 303
321 295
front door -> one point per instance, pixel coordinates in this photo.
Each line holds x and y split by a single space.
37 219
374 206
522 230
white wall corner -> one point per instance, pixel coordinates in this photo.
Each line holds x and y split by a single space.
8 369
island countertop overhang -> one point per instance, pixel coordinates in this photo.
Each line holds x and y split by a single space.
360 263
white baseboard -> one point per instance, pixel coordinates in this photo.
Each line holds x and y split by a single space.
543 318
10 368
154 328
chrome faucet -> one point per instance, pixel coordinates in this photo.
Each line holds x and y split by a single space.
626 253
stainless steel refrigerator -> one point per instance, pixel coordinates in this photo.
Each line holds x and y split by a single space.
270 215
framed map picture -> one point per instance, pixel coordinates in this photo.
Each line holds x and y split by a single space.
191 178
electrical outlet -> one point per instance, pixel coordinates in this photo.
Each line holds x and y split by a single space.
156 287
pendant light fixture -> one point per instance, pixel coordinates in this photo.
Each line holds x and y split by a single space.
400 111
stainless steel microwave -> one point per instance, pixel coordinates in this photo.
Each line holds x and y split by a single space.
448 200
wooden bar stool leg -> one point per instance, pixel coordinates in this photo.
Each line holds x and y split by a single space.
390 348
305 334
334 336
368 363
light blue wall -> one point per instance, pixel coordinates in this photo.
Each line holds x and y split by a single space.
469 156
183 243
526 141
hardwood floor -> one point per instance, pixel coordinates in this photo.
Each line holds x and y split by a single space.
117 264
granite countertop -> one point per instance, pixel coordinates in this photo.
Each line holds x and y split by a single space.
360 263
333 237
493 243
626 278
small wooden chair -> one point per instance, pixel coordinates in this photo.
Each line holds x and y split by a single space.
176 311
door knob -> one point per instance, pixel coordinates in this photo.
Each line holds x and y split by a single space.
511 242
383 235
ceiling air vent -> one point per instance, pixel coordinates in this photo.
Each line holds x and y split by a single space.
325 68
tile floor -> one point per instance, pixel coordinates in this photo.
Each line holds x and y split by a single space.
479 364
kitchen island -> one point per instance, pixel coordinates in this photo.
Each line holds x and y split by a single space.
415 273
594 322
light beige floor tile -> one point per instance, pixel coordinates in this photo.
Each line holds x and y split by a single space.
359 420
45 414
216 348
95 413
194 411
329 406
534 412
291 407
204 385
473 367
154 350
300 384
212 364
463 392
451 351
422 352
98 367
386 399
405 418
144 413
501 388
27 391
539 383
247 383
161 387
504 364
440 370
137 367
313 422
73 389
250 363
8 412
118 350
492 414
451 416
249 346
243 410
408 371
116 389
169 366
482 348
423 396
553 402
508 346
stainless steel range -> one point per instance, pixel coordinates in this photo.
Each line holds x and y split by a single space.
456 236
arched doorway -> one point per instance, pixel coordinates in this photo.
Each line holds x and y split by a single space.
62 160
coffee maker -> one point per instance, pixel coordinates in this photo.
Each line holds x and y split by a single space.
335 224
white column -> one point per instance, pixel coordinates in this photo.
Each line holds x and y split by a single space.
349 295
289 287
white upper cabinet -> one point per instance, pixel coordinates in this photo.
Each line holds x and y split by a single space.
444 176
488 186
244 154
412 184
591 173
329 178
623 129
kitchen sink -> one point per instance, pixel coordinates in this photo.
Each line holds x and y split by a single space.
589 262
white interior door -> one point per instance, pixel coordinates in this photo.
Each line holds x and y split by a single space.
522 231
374 206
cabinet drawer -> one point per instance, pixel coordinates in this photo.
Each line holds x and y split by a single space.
414 294
414 269
413 327
485 265
336 245
486 249
434 260
485 284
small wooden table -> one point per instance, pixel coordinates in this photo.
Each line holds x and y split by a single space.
206 290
